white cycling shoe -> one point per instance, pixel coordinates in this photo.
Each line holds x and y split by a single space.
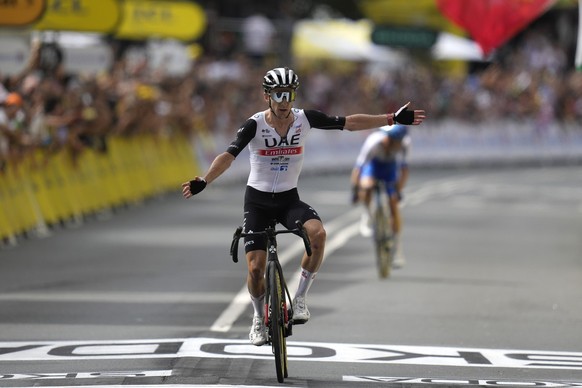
300 311
258 334
398 261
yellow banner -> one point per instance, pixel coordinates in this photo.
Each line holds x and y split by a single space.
20 12
162 19
81 15
412 13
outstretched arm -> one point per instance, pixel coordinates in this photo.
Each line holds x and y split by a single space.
223 161
220 164
360 121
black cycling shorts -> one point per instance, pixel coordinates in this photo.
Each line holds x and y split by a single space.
262 208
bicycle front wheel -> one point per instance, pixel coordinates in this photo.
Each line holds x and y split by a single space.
277 324
382 243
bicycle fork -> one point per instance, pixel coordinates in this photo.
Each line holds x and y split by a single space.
286 296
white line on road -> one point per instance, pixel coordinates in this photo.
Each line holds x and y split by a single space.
167 386
241 301
339 240
197 347
119 297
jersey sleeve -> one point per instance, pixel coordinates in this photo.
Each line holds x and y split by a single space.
320 120
243 137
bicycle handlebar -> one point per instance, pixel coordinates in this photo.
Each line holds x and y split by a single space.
299 230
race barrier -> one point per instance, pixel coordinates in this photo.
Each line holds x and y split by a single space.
44 191
50 189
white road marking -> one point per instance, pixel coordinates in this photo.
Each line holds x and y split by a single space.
450 382
120 297
337 241
442 187
47 351
167 386
242 300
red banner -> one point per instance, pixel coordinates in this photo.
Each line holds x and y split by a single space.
492 22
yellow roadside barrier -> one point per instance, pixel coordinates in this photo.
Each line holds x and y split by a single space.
51 189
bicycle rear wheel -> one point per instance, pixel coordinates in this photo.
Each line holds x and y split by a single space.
382 243
276 322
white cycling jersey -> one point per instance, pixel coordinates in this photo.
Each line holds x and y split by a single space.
372 149
276 161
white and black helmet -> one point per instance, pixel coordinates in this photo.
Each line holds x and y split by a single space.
280 77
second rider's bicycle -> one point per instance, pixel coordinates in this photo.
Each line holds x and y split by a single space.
278 306
382 230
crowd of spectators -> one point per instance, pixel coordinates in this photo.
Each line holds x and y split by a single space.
46 108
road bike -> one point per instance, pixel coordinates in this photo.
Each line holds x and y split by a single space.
382 230
278 305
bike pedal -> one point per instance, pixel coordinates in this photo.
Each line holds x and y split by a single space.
299 321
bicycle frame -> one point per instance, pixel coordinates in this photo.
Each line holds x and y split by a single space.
273 264
278 317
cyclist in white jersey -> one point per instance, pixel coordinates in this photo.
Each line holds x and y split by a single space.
383 157
276 139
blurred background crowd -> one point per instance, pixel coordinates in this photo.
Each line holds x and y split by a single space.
530 79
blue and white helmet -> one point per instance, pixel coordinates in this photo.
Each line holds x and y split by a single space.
396 132
280 77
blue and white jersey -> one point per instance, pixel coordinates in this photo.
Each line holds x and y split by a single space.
372 149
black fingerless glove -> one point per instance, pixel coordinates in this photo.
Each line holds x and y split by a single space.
197 186
404 116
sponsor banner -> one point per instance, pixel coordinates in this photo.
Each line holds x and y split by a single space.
14 54
161 19
417 13
169 56
20 12
297 351
100 16
443 143
88 60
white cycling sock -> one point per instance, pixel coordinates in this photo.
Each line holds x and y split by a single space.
367 210
398 242
258 305
305 282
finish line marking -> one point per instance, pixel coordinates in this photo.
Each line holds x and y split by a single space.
164 386
297 351
450 382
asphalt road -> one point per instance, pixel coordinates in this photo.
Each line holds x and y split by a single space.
147 296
